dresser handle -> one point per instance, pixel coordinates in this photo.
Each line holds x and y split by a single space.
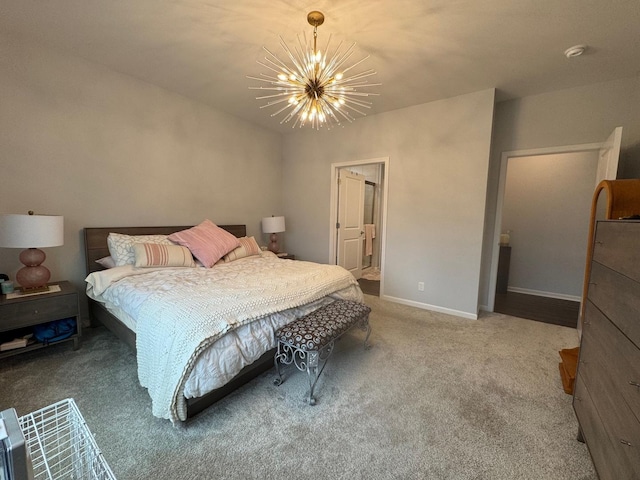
35 312
593 283
624 442
634 384
599 242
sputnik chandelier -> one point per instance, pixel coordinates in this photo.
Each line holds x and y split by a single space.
315 88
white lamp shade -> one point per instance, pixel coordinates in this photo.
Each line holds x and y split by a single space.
31 231
273 224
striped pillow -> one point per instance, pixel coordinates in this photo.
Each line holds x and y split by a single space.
248 246
155 255
121 246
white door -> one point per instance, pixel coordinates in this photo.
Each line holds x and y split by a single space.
350 221
609 155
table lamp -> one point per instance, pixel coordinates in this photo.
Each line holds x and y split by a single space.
32 232
273 225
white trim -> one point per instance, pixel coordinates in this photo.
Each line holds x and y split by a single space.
433 308
539 293
553 150
504 158
333 209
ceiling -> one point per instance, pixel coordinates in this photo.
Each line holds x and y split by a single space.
421 50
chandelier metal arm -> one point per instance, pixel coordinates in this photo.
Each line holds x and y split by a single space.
297 62
340 58
277 62
355 65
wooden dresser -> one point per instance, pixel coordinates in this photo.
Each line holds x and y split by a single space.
607 391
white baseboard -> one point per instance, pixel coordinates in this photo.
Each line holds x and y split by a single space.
433 308
559 296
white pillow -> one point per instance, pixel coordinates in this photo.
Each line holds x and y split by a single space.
121 246
106 262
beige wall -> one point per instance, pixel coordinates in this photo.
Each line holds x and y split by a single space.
573 116
438 160
104 149
547 202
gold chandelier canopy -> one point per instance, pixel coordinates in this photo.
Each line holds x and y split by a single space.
314 87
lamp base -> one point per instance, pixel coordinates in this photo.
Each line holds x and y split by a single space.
273 244
33 274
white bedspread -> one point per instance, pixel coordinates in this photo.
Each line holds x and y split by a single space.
181 312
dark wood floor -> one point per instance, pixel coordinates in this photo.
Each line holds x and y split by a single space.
542 309
370 287
533 307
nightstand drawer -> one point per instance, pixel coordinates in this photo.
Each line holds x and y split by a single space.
25 314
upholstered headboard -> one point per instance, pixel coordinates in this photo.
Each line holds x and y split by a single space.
95 239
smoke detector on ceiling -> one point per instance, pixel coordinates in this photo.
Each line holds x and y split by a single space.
575 51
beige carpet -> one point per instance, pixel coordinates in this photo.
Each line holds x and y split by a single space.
437 397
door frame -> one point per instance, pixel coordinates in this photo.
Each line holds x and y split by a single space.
333 208
586 147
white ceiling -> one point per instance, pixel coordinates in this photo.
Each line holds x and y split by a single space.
422 50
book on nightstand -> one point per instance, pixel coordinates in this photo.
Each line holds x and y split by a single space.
16 343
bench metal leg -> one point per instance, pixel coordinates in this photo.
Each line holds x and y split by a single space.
313 362
282 356
364 325
315 357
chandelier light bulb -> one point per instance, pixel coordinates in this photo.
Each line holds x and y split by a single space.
309 87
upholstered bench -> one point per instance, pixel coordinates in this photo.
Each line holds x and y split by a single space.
309 340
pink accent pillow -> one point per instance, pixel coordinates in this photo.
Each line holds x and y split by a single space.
207 242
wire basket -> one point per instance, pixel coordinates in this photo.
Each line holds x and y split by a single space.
61 445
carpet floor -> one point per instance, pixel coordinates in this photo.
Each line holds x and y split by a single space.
436 397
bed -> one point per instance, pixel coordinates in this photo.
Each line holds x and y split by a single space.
241 297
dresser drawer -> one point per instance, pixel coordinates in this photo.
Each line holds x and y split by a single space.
616 246
618 297
605 376
621 362
24 314
621 426
610 355
606 457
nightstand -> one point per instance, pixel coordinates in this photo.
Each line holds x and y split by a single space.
18 314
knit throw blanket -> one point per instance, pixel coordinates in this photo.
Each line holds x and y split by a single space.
176 323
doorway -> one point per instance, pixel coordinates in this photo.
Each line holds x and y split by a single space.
547 234
371 219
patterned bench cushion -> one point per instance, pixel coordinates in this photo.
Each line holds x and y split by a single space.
314 331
